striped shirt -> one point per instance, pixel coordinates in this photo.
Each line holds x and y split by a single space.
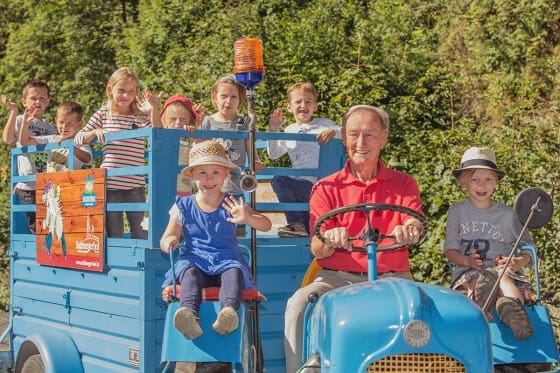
119 153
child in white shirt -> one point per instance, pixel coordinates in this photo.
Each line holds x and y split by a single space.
302 103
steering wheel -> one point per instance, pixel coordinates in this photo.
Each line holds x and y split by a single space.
366 208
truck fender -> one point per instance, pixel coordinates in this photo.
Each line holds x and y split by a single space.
58 352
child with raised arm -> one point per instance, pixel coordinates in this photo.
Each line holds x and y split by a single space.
209 255
227 97
68 121
480 235
179 112
302 103
35 97
122 113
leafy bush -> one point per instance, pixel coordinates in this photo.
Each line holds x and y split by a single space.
451 74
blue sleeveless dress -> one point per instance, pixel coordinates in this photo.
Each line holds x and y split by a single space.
209 243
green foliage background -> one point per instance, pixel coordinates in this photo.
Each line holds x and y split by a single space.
452 74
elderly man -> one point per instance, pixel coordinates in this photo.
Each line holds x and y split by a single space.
364 178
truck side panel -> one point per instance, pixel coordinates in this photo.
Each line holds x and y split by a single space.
115 318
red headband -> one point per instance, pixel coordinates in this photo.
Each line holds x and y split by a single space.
182 99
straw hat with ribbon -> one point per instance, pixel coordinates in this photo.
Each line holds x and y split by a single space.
207 152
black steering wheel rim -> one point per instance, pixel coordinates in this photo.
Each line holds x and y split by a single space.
366 208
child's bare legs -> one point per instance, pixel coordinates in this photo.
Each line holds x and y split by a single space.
509 289
469 287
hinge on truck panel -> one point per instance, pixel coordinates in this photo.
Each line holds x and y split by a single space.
67 298
140 265
13 253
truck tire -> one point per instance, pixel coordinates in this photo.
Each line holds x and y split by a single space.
33 364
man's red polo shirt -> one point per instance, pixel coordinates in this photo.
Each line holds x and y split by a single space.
343 189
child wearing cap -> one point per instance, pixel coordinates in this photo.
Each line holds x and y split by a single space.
179 112
480 235
209 255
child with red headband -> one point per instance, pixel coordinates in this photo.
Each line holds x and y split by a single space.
179 112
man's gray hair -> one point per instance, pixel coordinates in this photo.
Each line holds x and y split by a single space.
382 114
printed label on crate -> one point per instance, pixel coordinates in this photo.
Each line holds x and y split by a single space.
71 219
134 357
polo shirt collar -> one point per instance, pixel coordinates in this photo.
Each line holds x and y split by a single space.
347 176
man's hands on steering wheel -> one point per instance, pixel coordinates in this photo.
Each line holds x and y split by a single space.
409 233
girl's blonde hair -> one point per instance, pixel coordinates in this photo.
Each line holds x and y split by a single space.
123 73
228 80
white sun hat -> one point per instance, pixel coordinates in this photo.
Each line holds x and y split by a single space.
475 158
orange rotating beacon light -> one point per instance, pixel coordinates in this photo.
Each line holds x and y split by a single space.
248 62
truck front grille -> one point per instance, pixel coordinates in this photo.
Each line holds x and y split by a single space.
417 363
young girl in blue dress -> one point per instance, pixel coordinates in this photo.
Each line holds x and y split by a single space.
209 255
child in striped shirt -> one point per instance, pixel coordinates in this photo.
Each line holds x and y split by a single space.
120 113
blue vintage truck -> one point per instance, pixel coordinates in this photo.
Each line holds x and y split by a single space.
113 319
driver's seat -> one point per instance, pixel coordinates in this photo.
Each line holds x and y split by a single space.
311 273
315 268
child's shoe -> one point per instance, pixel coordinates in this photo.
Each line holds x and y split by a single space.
512 313
227 321
293 230
187 322
483 287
